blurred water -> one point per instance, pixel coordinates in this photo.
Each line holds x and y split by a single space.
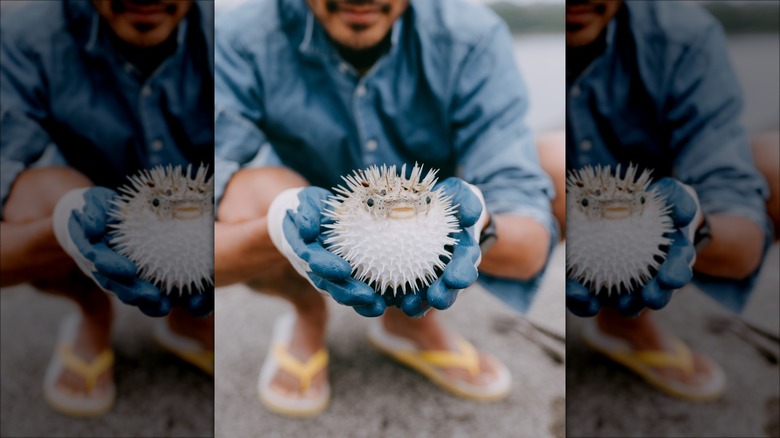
542 61
756 59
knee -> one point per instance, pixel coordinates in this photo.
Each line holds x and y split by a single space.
35 192
766 154
251 191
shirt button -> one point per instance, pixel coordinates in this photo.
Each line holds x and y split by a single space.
157 145
129 67
360 91
371 145
575 90
343 67
585 145
146 91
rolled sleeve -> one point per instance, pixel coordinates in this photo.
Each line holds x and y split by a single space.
23 112
713 155
497 150
238 101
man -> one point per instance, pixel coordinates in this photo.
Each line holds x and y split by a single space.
91 94
649 83
307 92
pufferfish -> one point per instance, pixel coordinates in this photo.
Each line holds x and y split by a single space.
165 225
616 229
394 231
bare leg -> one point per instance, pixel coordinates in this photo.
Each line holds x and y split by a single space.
766 153
200 329
243 208
33 255
552 156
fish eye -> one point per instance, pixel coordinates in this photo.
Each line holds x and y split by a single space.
370 202
584 202
156 202
642 200
427 199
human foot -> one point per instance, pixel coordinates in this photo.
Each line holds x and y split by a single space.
79 380
657 356
426 345
200 330
293 380
188 337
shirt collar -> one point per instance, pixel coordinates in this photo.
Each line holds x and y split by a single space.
610 38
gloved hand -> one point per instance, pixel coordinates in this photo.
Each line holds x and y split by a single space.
295 222
80 223
461 271
675 272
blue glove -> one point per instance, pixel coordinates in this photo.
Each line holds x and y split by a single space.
81 224
675 272
461 271
295 223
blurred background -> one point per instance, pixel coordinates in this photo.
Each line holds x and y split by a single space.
157 394
373 396
604 399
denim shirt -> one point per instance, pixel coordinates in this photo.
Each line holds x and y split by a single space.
66 89
663 95
447 94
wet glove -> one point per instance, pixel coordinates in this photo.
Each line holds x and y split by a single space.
461 271
295 223
81 226
675 272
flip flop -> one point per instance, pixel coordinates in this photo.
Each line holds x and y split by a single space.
279 358
645 364
91 404
186 349
431 363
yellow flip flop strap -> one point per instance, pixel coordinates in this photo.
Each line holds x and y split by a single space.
466 358
204 359
89 371
304 371
681 359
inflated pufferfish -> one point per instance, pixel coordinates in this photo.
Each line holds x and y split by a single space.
166 227
394 231
615 229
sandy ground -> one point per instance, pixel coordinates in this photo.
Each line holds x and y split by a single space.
157 395
373 396
603 399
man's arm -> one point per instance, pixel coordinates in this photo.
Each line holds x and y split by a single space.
713 157
242 246
27 247
497 154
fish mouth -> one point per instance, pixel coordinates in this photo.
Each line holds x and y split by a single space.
187 211
616 211
402 211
